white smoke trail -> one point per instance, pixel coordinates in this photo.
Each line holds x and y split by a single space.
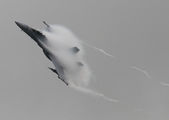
85 90
164 84
146 73
93 93
101 50
134 67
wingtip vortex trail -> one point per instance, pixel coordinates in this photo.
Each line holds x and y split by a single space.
133 67
164 84
146 73
101 50
143 71
93 93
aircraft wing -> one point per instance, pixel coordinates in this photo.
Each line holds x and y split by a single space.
59 69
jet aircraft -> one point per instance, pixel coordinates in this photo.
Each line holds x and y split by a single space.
41 39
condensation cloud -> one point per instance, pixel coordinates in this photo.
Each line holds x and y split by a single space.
62 41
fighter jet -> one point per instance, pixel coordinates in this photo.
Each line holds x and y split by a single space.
41 40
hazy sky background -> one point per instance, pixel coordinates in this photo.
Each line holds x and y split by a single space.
134 31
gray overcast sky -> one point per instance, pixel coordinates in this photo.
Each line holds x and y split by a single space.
134 31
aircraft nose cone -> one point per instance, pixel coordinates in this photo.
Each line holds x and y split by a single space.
21 25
